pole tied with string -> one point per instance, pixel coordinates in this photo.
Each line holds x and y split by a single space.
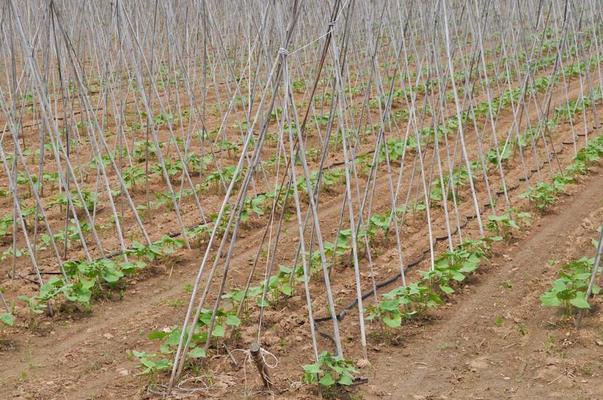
256 355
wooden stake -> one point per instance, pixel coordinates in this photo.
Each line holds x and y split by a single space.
258 360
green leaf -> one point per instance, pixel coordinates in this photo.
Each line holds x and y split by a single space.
112 275
327 380
131 267
286 289
87 284
393 321
458 276
580 301
446 289
218 331
150 364
139 354
7 319
389 305
345 380
157 335
312 368
197 352
549 299
262 303
163 364
233 320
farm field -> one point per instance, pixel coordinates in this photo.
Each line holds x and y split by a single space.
301 199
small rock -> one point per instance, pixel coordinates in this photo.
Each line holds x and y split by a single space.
362 363
123 372
108 336
478 363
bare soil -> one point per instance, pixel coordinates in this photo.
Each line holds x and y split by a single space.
493 341
497 341
459 351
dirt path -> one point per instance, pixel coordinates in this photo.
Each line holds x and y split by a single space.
497 342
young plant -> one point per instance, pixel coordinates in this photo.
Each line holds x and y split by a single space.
86 280
171 337
330 371
133 176
144 150
7 318
6 225
280 285
151 363
403 303
543 195
503 224
568 292
453 267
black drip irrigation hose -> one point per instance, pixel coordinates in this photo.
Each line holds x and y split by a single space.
341 315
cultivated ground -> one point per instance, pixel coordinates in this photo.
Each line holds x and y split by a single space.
421 146
496 341
493 341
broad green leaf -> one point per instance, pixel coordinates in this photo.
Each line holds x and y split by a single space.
233 320
345 380
389 305
157 335
393 321
139 354
312 368
150 364
327 380
550 299
580 301
458 276
446 289
218 331
112 275
163 364
7 319
286 289
197 352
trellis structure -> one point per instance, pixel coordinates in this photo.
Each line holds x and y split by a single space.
331 149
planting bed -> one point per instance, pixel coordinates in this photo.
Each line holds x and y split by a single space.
391 200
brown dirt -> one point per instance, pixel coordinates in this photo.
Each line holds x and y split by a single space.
86 357
525 354
460 354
